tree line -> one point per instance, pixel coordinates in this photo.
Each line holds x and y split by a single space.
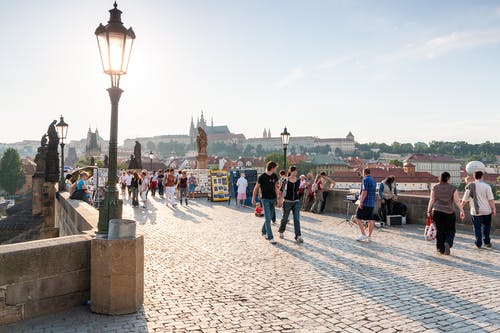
485 152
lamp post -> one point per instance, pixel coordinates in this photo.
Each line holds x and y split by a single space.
62 131
151 160
115 45
285 138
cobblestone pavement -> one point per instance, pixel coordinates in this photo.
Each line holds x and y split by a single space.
209 270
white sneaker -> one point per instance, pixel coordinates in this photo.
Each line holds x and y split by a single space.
282 235
361 238
300 239
368 239
272 241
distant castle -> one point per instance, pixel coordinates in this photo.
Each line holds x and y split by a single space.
222 134
214 133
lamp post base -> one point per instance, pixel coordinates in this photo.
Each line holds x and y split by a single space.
111 208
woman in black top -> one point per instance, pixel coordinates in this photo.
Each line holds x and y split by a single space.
182 186
134 185
290 191
160 183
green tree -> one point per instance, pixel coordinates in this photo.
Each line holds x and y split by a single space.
11 172
276 157
85 161
397 163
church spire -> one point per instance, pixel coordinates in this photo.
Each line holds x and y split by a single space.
212 121
264 135
202 119
268 133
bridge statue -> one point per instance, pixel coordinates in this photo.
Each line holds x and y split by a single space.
202 143
52 162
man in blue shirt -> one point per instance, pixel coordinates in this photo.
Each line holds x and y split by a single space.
366 206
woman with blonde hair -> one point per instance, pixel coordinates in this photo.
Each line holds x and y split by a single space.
79 189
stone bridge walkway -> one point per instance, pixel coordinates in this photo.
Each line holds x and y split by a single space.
209 270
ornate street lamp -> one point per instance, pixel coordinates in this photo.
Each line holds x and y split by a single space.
285 138
115 45
151 155
62 132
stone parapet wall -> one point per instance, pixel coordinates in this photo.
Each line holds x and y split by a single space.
74 217
417 207
44 276
50 275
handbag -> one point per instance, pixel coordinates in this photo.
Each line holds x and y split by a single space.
430 230
77 194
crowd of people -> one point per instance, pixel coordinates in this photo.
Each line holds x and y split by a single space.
166 183
136 186
293 193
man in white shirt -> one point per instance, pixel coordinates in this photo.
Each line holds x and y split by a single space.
242 185
482 207
128 182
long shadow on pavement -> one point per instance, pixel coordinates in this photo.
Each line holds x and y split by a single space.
368 284
374 248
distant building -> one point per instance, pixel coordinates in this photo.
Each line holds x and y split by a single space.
244 163
129 144
25 148
214 133
327 163
346 145
71 157
406 179
93 144
386 157
436 164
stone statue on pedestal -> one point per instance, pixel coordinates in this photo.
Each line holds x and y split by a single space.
202 143
52 165
135 159
41 157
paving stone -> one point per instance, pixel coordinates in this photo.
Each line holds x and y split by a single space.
207 269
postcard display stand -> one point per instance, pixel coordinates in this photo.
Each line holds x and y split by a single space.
219 181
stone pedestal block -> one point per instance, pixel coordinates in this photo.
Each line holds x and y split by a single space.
117 275
202 161
37 208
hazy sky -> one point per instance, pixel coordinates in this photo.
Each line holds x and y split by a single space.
388 71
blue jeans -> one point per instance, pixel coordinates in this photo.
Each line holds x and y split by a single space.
294 207
269 212
323 203
485 220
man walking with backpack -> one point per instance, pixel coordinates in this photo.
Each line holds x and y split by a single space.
482 207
